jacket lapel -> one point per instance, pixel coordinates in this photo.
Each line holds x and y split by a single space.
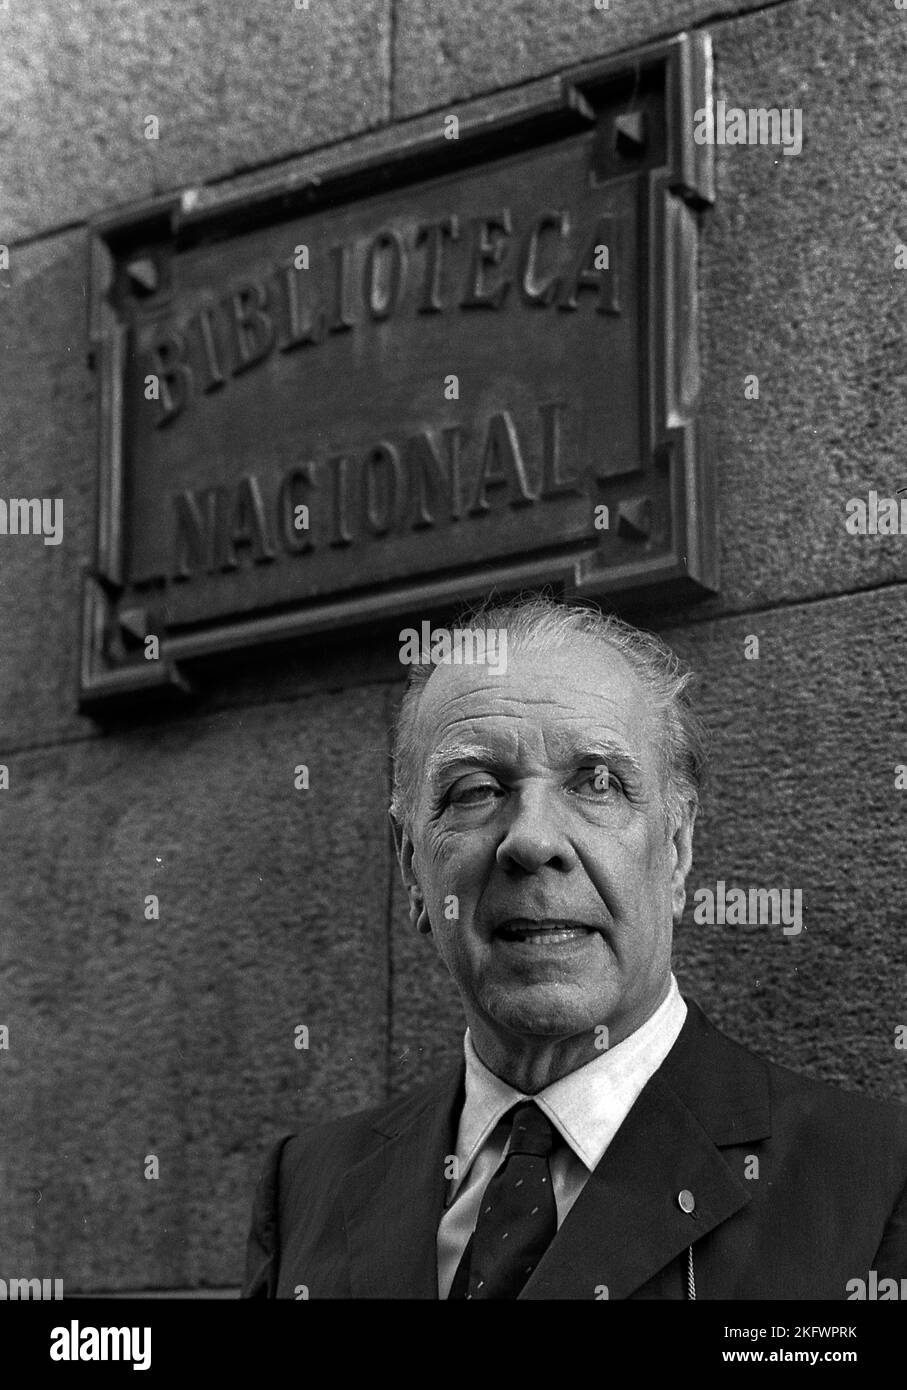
393 1200
627 1223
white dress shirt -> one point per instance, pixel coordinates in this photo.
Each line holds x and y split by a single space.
587 1107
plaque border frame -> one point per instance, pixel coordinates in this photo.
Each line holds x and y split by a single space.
678 191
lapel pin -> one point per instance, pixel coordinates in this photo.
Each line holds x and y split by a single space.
686 1201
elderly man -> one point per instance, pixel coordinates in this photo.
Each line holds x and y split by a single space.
600 1139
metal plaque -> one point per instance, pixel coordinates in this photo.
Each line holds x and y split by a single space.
449 357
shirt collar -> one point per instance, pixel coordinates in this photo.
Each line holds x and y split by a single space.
588 1105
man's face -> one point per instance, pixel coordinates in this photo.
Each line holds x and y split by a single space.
562 877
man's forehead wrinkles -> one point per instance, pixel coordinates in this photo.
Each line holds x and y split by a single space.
519 741
512 707
535 696
576 728
568 715
543 702
465 718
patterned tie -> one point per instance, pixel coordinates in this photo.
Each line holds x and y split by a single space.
518 1217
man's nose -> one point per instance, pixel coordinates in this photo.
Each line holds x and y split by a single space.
536 834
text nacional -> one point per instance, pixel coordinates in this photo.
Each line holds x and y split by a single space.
390 488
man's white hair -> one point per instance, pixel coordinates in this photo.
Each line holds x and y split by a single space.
534 621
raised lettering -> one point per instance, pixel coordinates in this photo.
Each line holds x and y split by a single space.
533 290
301 331
434 485
554 483
248 525
194 533
338 468
341 320
297 542
382 485
586 277
215 376
166 357
253 326
490 235
386 248
433 234
502 465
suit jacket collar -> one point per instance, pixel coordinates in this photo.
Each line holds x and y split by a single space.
627 1223
722 1083
394 1199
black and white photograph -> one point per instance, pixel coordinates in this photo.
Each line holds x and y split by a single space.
453 732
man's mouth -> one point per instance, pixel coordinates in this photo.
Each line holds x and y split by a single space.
547 932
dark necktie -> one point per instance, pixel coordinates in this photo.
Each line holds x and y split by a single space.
518 1216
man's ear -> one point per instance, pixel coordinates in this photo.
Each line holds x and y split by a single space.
406 855
682 856
404 847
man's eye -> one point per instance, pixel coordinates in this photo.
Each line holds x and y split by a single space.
597 781
473 793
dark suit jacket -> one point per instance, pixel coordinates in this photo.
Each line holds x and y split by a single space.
351 1209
